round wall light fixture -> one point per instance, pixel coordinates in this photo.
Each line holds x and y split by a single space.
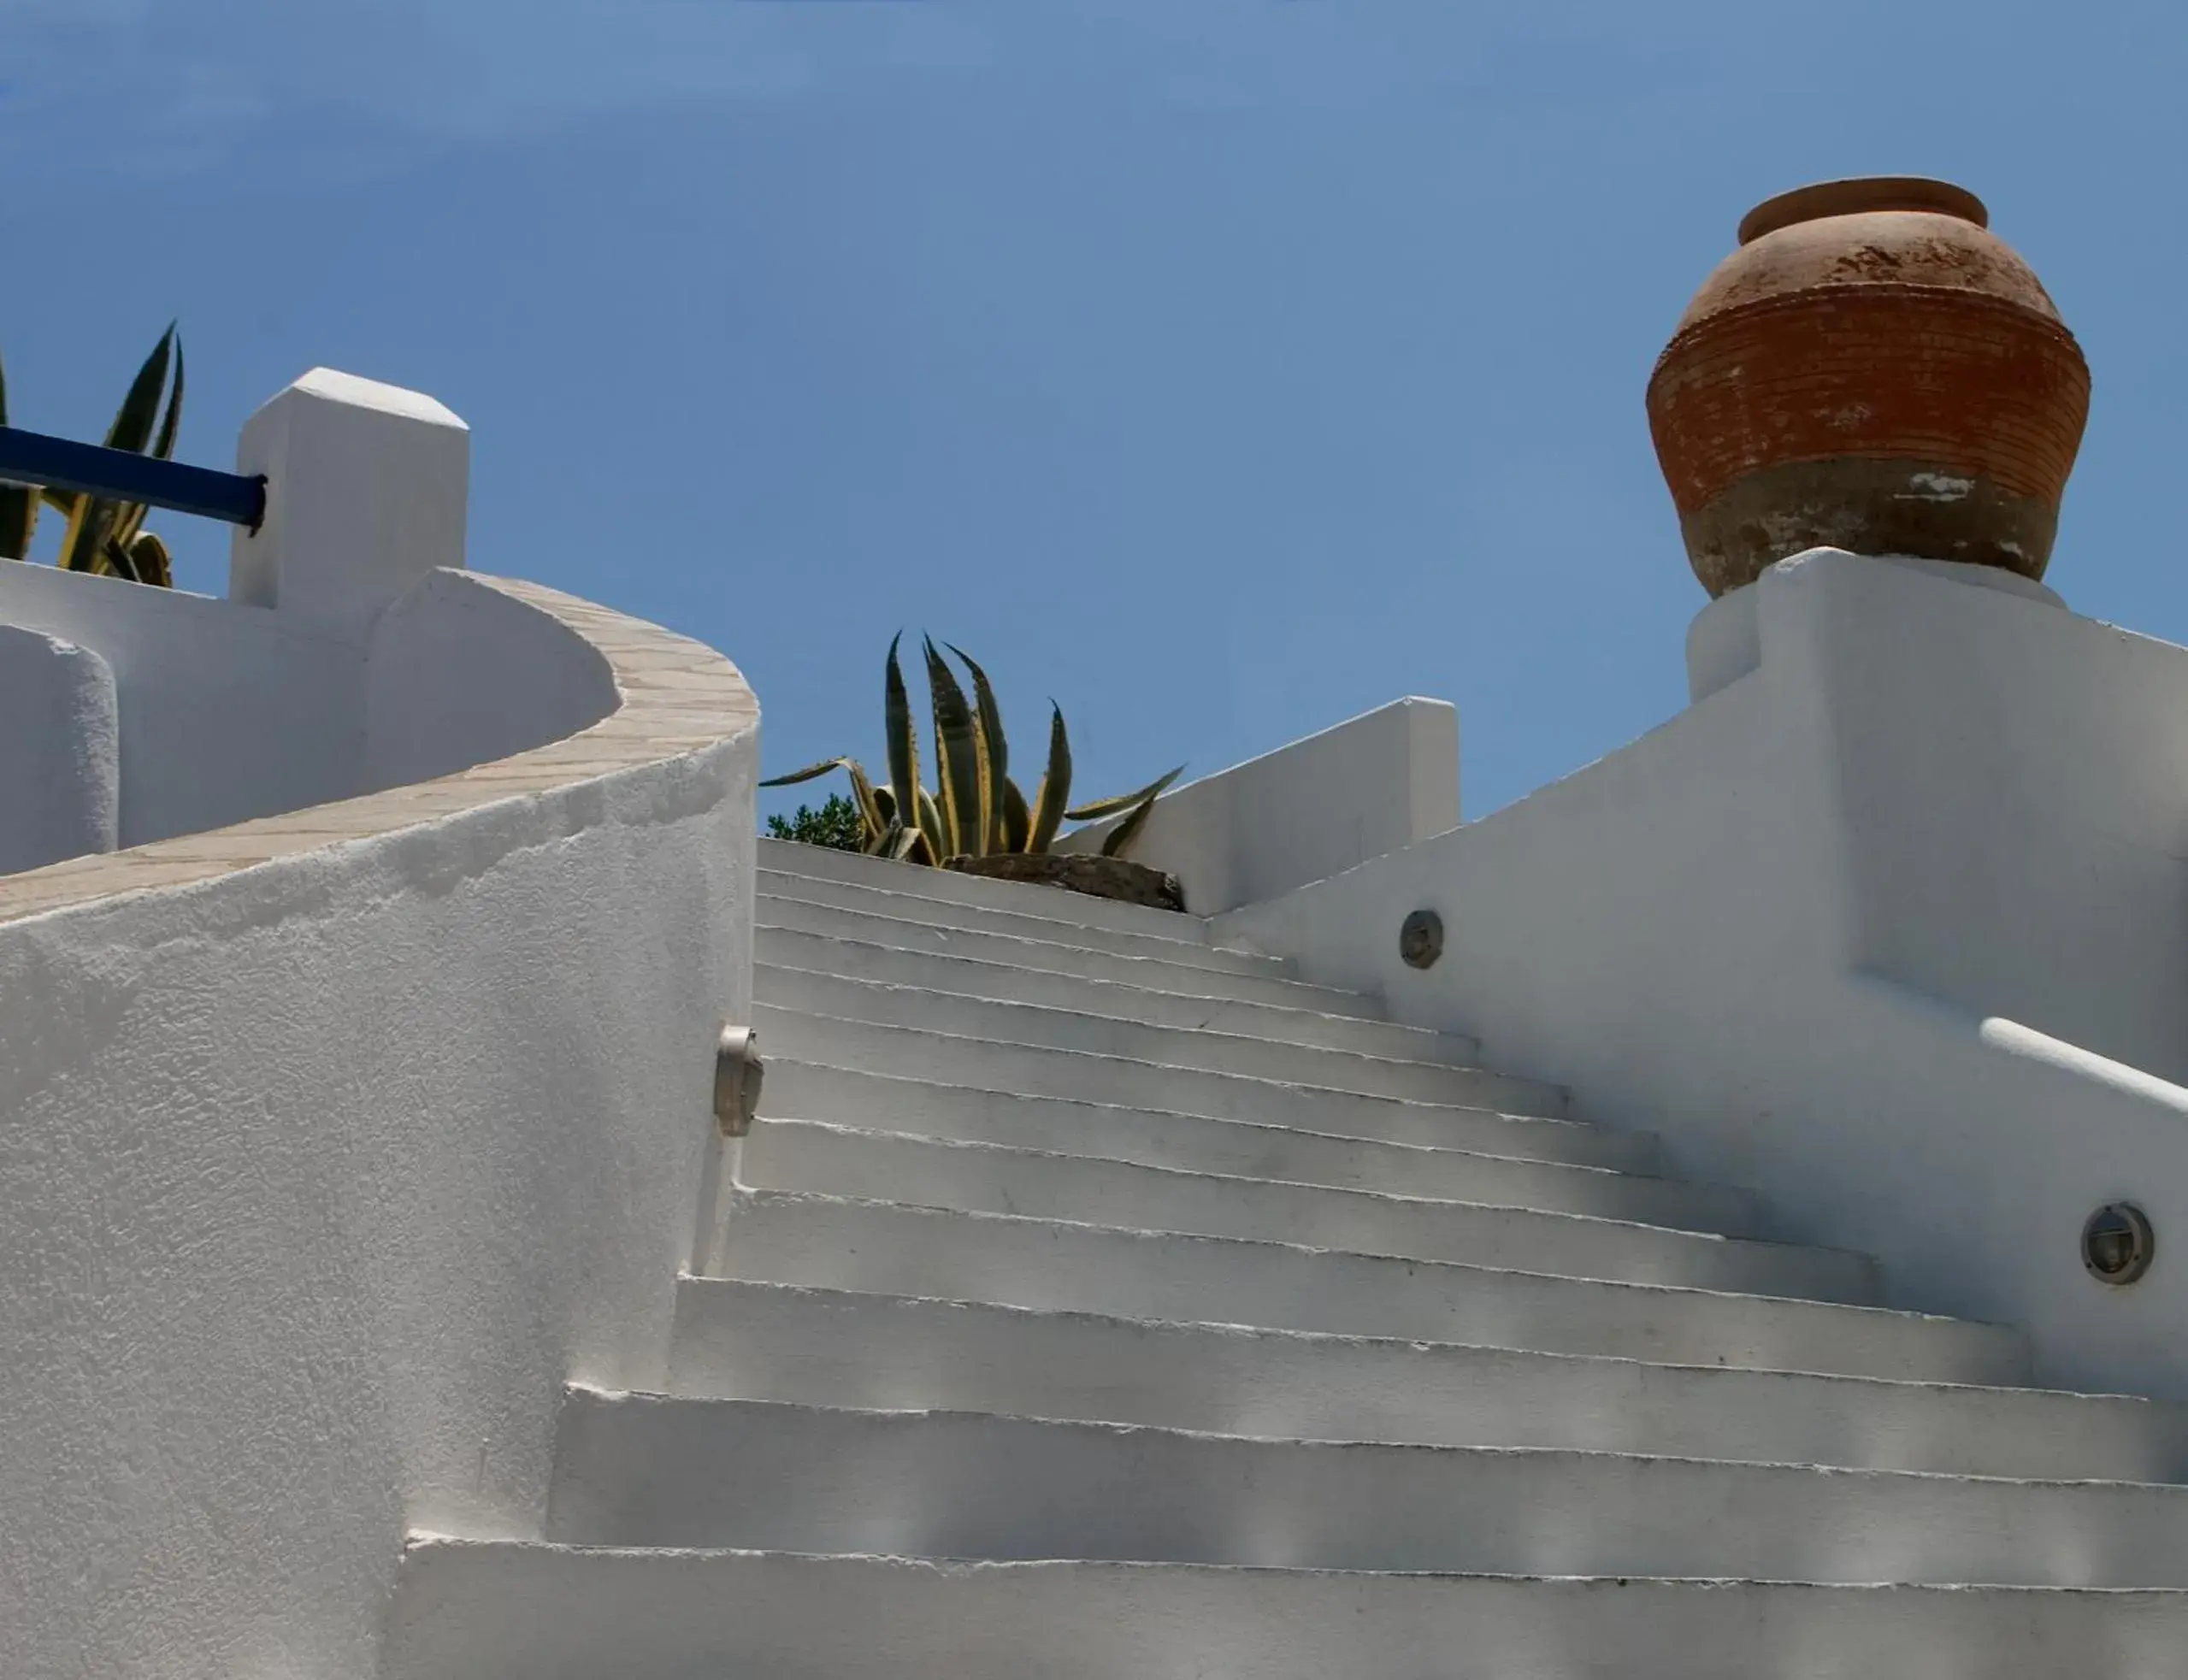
1420 939
2118 1244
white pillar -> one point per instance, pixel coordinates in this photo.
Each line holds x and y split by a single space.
365 494
60 753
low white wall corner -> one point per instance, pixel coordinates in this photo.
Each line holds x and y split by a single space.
1374 784
366 493
60 751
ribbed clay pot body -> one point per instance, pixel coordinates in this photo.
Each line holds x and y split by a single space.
1873 370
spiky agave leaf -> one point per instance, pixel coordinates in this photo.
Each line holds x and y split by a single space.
910 846
18 502
930 825
995 769
131 521
144 559
83 545
902 738
153 564
1094 810
808 774
140 410
1137 805
1114 843
1054 794
960 760
1017 818
99 530
870 815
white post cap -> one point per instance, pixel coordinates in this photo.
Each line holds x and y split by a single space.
366 490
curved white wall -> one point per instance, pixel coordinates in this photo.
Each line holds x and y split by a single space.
457 672
318 1178
333 1143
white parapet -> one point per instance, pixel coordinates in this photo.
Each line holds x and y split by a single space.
351 654
1307 812
1805 931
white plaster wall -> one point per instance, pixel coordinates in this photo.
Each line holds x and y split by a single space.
458 674
351 654
316 1181
60 751
1308 810
333 1144
225 712
1811 930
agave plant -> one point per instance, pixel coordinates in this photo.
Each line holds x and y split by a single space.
103 535
977 808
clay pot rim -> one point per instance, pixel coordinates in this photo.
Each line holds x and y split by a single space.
1861 195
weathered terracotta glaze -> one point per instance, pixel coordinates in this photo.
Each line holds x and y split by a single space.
1874 370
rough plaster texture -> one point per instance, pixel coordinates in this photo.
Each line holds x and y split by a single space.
332 1144
1313 809
1890 927
329 1160
60 751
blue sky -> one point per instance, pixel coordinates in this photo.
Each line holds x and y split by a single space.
1221 368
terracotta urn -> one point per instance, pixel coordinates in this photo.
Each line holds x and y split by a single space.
1873 370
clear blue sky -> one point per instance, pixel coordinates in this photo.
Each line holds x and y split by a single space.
1223 369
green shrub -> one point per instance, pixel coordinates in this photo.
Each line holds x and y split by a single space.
835 824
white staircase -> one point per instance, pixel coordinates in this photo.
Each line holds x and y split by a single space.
1099 1302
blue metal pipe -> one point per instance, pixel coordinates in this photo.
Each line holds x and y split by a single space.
57 463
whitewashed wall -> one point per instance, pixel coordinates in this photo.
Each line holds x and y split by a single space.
60 751
308 683
1306 812
1893 926
198 743
332 1144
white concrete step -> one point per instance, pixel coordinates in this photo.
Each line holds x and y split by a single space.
841 997
784 956
1216 972
782 899
1015 898
1406 1161
652 1469
816 1157
1047 1070
736 1340
884 1247
512 1610
798 1153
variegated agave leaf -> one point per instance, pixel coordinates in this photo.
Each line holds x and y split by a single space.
1138 806
960 761
1054 794
995 766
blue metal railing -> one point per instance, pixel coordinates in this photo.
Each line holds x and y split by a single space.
32 457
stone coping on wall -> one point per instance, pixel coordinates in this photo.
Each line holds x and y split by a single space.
677 696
